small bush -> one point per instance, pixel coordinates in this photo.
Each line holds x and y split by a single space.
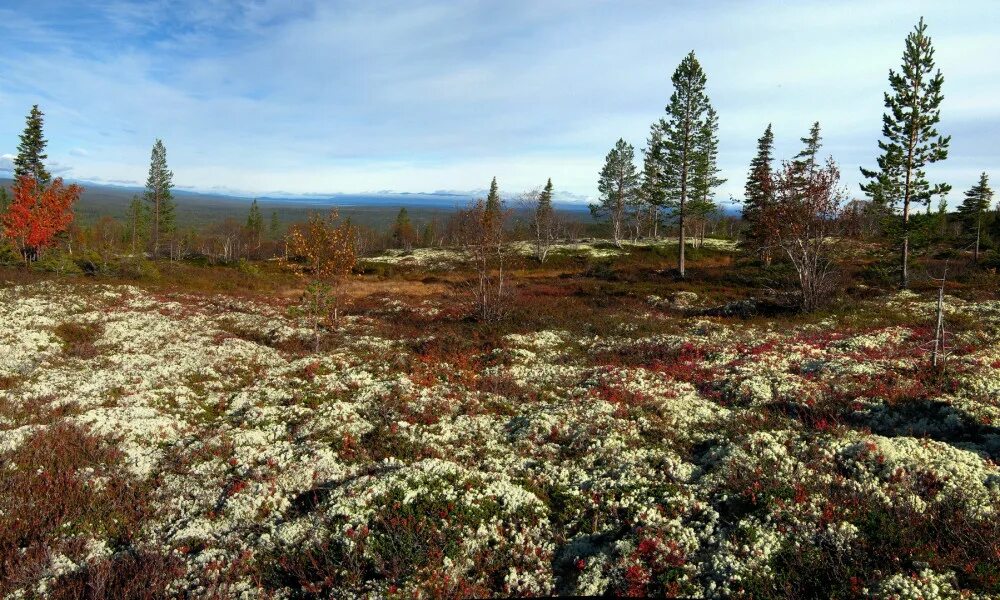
881 273
248 268
138 267
57 262
8 255
78 338
600 270
48 505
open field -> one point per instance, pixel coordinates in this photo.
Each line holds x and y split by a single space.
622 432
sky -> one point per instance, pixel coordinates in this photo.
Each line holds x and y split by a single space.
265 96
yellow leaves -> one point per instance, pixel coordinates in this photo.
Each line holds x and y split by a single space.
322 248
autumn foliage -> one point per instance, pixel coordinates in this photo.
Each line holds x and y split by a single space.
322 253
38 214
322 249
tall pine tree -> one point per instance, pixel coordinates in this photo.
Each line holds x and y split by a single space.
683 128
30 159
758 196
911 140
159 198
973 209
619 187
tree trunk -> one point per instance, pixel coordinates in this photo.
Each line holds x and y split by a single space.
976 255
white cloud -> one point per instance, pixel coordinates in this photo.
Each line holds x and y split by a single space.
355 96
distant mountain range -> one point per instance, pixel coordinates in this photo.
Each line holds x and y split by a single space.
372 208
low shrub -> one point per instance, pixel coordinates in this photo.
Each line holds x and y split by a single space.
78 338
60 263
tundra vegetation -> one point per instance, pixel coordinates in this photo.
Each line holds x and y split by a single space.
494 405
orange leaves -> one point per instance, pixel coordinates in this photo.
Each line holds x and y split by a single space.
38 213
322 249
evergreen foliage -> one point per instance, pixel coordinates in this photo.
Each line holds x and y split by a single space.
30 159
618 186
974 209
758 195
911 140
684 138
159 198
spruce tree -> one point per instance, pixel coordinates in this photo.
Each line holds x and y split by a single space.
977 202
807 160
30 159
619 187
493 203
136 221
911 140
706 170
683 127
544 210
403 231
758 195
545 222
492 225
652 187
255 223
159 198
275 227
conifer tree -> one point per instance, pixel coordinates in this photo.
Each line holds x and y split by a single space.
275 227
494 206
911 140
807 160
544 210
30 159
544 222
4 201
136 221
159 198
683 127
652 187
429 234
255 224
973 210
758 196
619 187
706 170
403 231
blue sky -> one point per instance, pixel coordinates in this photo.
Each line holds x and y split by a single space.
298 96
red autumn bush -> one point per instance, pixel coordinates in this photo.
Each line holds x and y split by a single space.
38 214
